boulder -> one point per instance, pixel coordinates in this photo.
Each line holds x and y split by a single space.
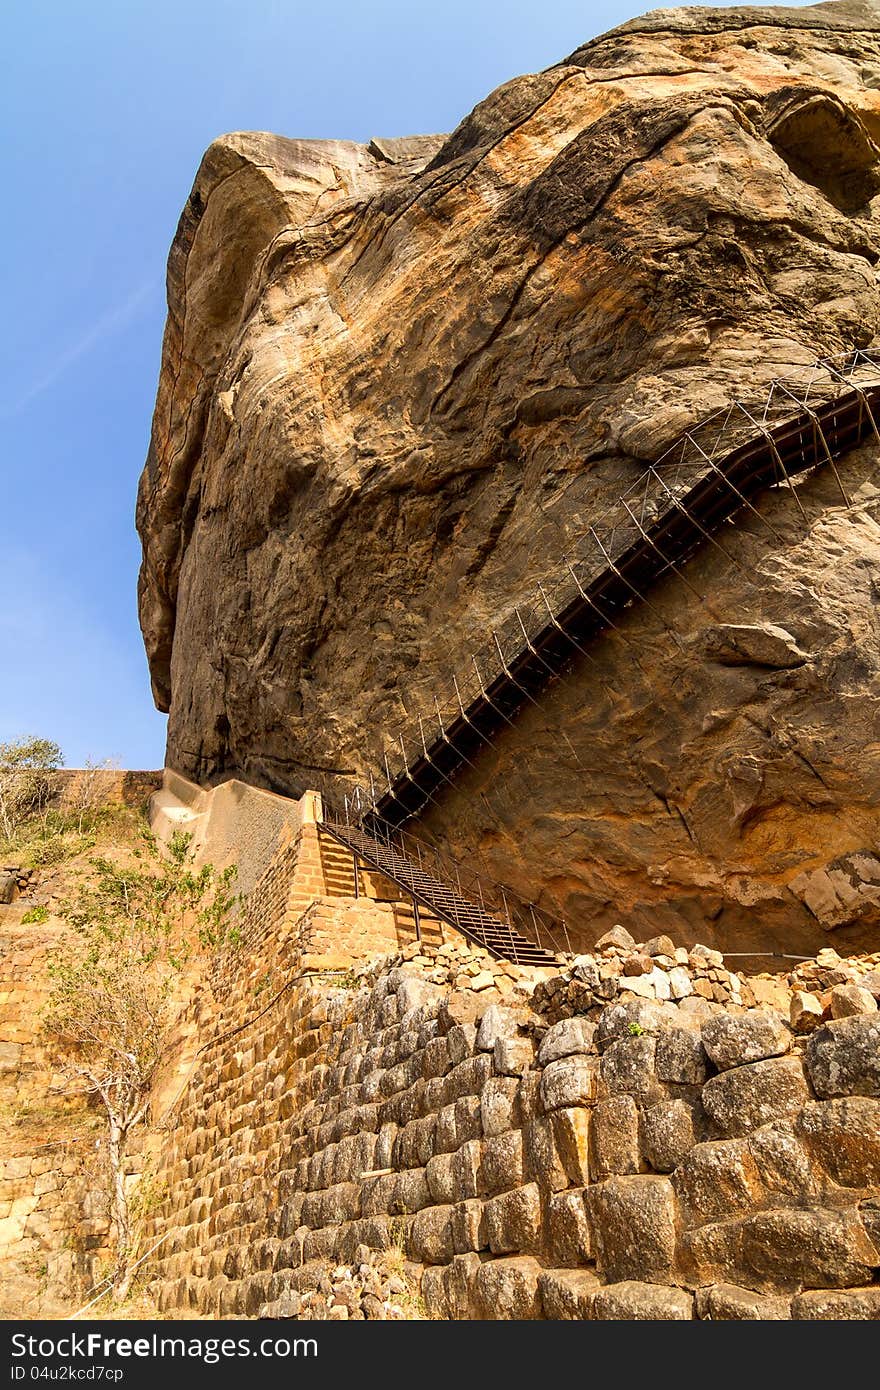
508 1288
848 1000
632 1220
569 1036
734 1040
843 1057
666 1134
570 1081
844 1136
730 1303
617 936
568 1293
633 1301
361 463
742 1099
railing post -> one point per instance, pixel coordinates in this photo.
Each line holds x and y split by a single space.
509 925
417 919
356 884
565 934
536 925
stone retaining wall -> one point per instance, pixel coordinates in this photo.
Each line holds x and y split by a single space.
638 1157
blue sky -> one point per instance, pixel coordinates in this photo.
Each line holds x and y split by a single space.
108 108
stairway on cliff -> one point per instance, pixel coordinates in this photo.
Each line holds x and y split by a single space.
408 864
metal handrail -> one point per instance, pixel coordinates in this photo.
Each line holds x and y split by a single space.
692 458
508 909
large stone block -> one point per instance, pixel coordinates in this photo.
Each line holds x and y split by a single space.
569 1036
513 1220
680 1057
568 1234
739 1100
440 1175
469 1227
445 1136
460 1283
792 1248
415 1143
542 1159
437 1058
411 1192
633 1301
430 1237
784 1161
843 1058
614 1138
467 1167
730 1303
468 1123
569 1081
433 1291
632 1220
734 1040
513 1056
850 999
503 1161
833 1305
462 1040
508 1288
717 1181
497 1101
646 1015
628 1069
498 1022
571 1136
844 1136
666 1134
567 1294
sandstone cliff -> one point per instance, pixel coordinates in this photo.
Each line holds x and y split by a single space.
399 378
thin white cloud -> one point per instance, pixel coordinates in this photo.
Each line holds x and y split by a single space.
103 328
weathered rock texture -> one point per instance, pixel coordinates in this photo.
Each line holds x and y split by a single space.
531 1142
398 379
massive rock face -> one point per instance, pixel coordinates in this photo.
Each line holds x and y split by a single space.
397 381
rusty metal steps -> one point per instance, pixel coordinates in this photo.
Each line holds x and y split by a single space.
493 933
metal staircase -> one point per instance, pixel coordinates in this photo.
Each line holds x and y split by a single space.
716 471
516 931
